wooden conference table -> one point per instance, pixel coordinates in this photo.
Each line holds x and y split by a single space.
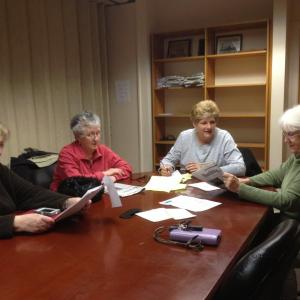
101 256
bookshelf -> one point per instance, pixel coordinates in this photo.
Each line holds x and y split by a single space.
234 60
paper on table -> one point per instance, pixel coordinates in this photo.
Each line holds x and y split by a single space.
164 183
79 205
113 194
154 215
204 186
190 203
161 214
179 213
179 186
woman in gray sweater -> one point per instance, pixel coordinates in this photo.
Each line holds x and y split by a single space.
204 143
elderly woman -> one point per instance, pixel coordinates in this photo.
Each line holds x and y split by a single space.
17 194
86 157
286 178
204 143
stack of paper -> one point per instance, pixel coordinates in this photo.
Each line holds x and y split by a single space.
125 190
165 183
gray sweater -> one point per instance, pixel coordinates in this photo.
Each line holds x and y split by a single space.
222 150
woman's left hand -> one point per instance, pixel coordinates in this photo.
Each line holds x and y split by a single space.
192 167
72 201
231 182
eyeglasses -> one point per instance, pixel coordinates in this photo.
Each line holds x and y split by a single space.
291 134
91 135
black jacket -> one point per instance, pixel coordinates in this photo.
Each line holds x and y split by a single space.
17 194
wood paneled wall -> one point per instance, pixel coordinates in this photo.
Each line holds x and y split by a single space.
51 62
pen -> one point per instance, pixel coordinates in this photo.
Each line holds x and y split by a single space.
165 168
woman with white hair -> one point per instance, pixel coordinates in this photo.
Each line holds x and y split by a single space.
286 178
86 157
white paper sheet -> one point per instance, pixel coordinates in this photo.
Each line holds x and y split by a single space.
164 183
161 214
179 213
154 215
190 203
113 194
204 186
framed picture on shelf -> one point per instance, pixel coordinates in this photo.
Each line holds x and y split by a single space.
179 48
201 47
229 43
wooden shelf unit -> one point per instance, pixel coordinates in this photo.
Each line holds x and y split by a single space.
238 82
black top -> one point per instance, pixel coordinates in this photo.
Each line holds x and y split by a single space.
17 194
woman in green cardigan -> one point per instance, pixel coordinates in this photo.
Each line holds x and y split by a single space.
286 178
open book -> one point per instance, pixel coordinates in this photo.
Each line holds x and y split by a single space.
209 172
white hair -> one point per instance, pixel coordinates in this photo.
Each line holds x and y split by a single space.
290 120
82 120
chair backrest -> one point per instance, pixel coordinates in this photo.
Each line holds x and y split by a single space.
43 176
261 273
252 166
27 169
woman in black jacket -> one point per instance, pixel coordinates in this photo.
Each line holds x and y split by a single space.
17 194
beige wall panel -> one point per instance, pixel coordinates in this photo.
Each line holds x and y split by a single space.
7 112
20 58
40 76
50 70
86 54
98 105
57 57
72 56
122 60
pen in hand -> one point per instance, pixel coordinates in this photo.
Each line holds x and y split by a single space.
165 170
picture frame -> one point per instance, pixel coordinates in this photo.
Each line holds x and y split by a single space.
201 47
229 43
179 48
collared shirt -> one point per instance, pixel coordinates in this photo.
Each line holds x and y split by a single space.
72 162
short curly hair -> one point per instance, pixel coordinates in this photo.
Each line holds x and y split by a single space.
204 109
82 120
290 120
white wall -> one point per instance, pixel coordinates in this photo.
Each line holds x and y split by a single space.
122 74
293 55
129 27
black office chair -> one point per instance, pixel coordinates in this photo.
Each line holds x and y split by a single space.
252 166
262 272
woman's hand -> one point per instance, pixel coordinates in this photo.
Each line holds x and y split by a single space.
72 201
34 223
165 170
113 171
231 182
192 167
